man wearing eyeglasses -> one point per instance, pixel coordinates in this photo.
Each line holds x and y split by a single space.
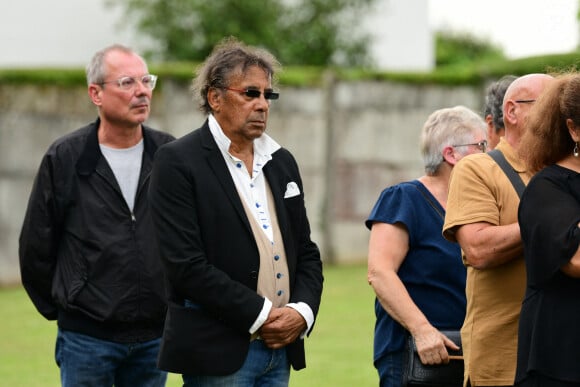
244 277
88 256
482 217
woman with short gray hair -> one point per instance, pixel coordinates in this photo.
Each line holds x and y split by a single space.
418 276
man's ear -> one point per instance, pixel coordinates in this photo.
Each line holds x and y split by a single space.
509 112
490 126
489 122
214 98
95 94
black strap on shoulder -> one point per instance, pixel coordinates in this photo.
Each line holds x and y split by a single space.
510 172
420 189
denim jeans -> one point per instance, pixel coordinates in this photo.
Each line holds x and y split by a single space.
264 367
390 368
88 361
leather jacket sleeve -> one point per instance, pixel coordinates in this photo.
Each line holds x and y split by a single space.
38 239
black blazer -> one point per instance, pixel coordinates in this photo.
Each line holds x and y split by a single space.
211 257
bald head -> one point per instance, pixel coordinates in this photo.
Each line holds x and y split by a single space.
518 99
527 87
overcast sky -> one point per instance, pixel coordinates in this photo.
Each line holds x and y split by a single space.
522 27
36 32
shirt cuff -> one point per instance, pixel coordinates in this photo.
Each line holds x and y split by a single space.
306 312
262 317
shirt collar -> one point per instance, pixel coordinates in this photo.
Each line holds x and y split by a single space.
264 146
511 155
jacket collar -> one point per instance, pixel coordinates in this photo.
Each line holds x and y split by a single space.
91 153
264 145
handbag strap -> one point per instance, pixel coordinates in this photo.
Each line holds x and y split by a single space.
426 196
509 171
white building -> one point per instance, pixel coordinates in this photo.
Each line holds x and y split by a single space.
403 39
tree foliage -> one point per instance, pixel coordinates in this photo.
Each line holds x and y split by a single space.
456 48
298 32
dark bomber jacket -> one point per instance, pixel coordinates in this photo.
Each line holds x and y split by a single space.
86 260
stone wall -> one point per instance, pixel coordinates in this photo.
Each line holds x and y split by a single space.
351 140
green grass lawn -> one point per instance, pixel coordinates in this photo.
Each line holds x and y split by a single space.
338 352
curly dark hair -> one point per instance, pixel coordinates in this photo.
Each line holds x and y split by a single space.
494 100
228 57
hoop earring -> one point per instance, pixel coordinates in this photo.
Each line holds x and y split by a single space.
576 152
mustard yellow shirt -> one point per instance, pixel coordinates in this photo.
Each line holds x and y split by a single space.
479 191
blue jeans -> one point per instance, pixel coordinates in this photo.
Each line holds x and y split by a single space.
87 361
390 368
264 367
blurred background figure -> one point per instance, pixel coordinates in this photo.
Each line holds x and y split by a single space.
417 275
493 111
549 216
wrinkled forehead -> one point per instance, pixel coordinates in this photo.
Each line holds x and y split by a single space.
242 72
117 61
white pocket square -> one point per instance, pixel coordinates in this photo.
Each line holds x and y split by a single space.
291 190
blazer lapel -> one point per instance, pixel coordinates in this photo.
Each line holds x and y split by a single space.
220 170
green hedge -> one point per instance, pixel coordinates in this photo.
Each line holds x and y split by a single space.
475 73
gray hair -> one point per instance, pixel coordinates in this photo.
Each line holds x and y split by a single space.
494 100
227 58
96 70
448 127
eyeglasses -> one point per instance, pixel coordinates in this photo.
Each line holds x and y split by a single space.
482 145
129 83
525 101
253 93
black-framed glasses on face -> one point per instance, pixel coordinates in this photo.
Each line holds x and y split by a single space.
129 83
254 93
525 101
482 145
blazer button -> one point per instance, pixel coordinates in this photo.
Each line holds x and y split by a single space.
254 274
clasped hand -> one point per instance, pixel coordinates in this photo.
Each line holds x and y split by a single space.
283 326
